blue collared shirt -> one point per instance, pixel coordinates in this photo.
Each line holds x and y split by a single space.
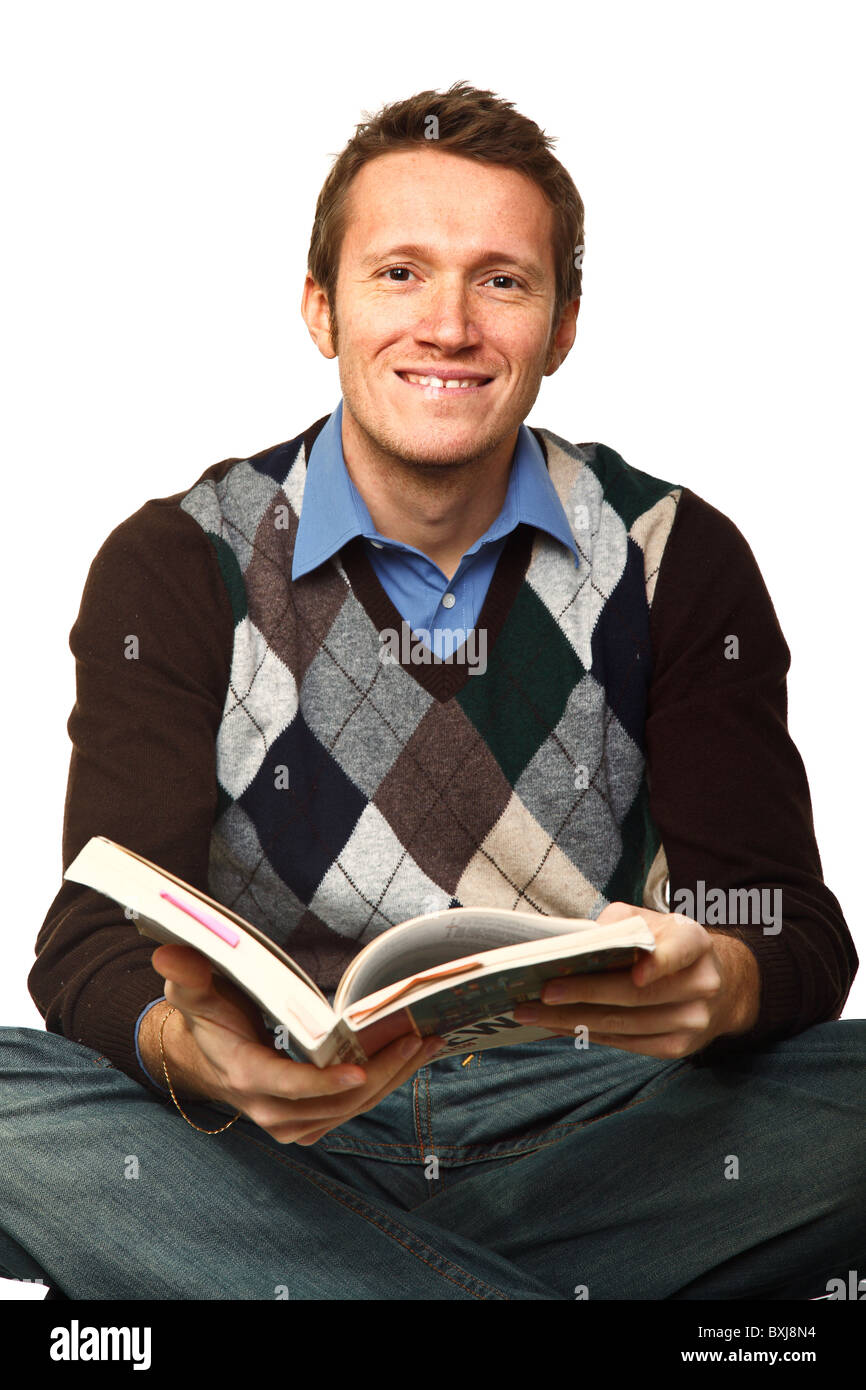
334 511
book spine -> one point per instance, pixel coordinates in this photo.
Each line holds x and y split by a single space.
342 1046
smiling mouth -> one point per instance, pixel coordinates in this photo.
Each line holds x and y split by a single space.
440 387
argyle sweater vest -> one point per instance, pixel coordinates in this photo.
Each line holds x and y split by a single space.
356 792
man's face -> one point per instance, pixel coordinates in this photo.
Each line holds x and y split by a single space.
446 264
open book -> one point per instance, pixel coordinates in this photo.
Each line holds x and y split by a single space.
458 973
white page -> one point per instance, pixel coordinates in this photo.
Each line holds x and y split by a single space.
447 935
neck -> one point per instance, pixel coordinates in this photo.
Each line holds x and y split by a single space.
440 509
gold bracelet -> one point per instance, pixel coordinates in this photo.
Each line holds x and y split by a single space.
171 1088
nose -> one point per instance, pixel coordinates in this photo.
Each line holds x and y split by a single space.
447 318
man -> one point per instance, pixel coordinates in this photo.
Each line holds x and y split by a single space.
237 722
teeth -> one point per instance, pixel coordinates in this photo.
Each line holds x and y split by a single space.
437 381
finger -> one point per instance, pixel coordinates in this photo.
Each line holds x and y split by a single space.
381 1081
312 1138
194 985
402 1075
618 987
610 987
680 945
216 1006
304 1084
304 1081
286 1121
397 1079
200 992
634 1022
183 965
288 1098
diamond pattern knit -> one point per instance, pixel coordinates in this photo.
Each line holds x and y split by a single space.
356 793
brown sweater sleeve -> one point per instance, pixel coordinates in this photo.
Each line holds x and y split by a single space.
142 770
728 789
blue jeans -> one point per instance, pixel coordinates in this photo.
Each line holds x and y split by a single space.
534 1172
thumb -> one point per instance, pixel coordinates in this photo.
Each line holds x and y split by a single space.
617 912
184 965
198 991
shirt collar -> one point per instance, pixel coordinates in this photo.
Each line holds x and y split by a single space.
333 510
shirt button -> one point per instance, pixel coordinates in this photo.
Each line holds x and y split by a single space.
448 601
378 544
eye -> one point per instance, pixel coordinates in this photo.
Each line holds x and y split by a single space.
404 270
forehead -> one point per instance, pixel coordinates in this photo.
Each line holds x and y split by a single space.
421 194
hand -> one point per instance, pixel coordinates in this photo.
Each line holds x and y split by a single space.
218 1048
695 986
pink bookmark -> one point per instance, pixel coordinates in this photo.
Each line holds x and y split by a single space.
212 923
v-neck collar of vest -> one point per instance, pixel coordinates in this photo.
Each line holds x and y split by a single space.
441 679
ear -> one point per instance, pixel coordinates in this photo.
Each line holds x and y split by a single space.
316 314
563 338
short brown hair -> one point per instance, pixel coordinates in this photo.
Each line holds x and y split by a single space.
476 124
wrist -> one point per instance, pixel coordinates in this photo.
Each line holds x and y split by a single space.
151 1072
741 984
184 1083
177 1047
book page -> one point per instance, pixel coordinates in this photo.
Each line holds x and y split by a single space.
497 980
425 942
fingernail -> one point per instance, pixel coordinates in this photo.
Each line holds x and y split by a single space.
525 1014
348 1080
408 1047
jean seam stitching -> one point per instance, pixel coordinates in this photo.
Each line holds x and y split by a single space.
432 1151
367 1215
431 1140
418 1129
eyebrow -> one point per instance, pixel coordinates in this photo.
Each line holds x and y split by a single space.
531 269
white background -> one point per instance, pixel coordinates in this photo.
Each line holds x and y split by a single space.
160 168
